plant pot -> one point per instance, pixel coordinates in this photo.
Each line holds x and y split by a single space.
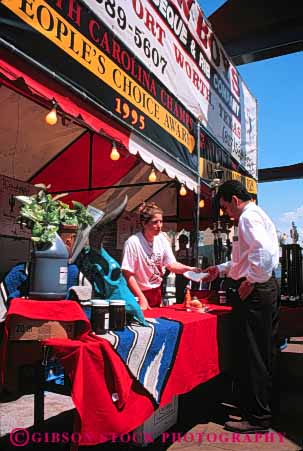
68 228
48 271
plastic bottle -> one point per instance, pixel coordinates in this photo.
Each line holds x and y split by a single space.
187 297
48 272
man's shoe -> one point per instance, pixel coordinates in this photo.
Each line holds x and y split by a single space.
245 427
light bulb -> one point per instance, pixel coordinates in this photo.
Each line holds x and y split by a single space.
51 117
182 191
152 176
114 155
202 203
221 212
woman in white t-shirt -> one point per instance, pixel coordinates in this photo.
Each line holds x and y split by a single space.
145 257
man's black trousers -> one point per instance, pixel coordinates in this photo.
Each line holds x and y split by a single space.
254 328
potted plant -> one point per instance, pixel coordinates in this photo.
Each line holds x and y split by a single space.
46 216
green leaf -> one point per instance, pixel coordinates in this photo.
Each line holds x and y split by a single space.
44 214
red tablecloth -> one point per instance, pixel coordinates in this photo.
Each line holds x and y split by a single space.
97 373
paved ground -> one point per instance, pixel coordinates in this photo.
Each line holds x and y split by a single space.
202 414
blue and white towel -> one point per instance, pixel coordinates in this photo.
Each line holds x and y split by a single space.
13 285
148 352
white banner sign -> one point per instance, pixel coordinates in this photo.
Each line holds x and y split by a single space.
175 41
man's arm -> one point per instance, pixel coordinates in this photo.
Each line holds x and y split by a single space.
263 249
216 271
224 268
263 246
133 285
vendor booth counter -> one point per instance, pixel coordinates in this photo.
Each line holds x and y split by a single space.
109 395
109 391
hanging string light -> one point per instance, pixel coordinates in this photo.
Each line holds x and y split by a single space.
152 176
51 118
114 155
182 191
202 203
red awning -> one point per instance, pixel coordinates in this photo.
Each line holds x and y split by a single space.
16 75
27 80
81 165
85 165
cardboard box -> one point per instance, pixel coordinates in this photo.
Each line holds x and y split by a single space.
160 421
21 328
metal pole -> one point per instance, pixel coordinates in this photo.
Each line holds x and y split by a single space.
101 188
198 194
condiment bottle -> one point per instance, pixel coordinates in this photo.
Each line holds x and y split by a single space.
187 297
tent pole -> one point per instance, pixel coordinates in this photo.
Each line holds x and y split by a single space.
198 193
90 163
101 188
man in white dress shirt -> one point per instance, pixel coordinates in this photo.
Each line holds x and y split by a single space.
253 293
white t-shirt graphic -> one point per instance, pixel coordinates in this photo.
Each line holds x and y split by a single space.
147 261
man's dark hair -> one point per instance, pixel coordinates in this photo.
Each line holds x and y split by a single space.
232 188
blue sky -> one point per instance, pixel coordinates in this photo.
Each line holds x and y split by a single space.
277 85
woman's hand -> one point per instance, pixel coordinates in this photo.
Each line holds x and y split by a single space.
144 303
